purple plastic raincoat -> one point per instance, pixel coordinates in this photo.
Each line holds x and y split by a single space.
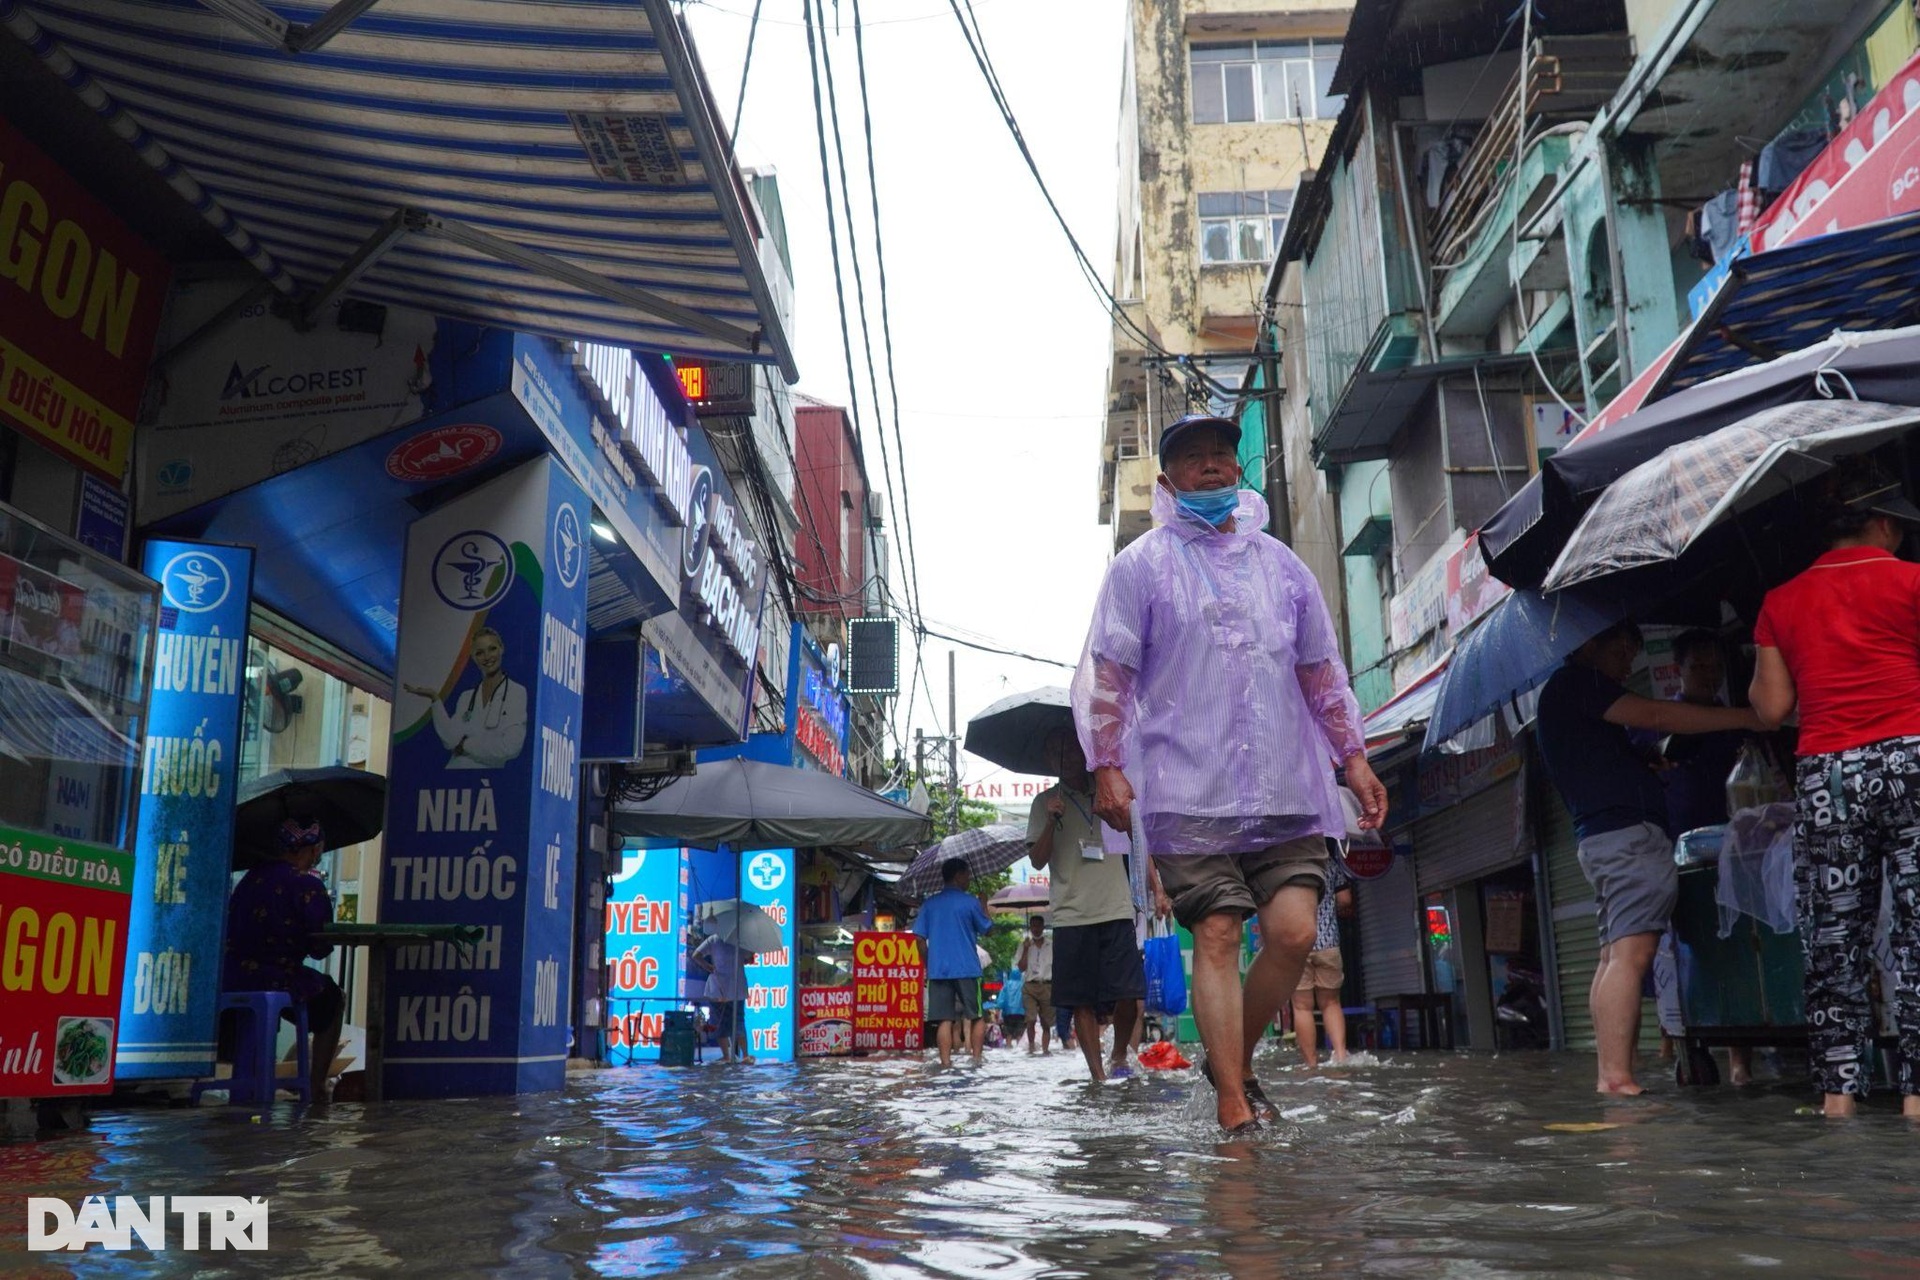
1212 677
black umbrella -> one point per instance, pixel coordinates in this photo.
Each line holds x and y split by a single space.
1012 733
749 804
349 804
1524 537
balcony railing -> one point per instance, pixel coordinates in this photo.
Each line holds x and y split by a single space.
1559 79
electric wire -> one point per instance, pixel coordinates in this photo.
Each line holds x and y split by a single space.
861 309
908 540
740 103
833 241
976 44
991 648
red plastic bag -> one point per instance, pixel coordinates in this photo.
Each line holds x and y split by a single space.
1162 1055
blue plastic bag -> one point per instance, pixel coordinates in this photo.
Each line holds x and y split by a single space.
1012 991
1166 976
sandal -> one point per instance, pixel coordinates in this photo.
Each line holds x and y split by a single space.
1263 1108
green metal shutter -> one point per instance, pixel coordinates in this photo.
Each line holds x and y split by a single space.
1576 932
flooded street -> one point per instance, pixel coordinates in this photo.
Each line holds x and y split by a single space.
1419 1165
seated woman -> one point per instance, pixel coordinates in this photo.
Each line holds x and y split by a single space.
271 920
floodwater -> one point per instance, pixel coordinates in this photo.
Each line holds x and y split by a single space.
1418 1165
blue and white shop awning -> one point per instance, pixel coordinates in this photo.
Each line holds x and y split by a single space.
1788 299
546 166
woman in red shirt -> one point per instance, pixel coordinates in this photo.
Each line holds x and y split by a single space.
1842 642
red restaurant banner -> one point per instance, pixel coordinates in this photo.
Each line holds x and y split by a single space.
826 1021
1869 172
76 338
889 992
63 952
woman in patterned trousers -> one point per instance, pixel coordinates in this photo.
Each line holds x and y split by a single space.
1842 642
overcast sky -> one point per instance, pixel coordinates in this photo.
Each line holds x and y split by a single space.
1000 345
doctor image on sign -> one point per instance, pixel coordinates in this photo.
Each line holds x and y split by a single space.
488 724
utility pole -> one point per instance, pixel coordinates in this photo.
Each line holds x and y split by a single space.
953 748
919 756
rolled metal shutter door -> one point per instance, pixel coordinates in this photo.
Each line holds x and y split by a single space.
1389 914
1480 835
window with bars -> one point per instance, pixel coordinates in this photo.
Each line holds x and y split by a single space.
1242 226
1264 81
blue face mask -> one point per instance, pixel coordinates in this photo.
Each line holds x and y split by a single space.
1215 506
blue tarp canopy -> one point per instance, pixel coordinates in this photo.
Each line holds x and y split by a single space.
1780 301
546 166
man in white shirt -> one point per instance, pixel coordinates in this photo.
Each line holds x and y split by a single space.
1034 960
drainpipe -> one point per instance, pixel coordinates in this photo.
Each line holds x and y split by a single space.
1278 499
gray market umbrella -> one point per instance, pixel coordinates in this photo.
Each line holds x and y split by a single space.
742 924
749 804
1524 536
1019 897
986 849
350 804
1013 731
1659 510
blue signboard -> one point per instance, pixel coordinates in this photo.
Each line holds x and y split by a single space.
100 523
645 915
183 847
482 824
621 426
817 718
767 879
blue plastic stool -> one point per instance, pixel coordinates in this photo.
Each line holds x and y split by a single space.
255 1076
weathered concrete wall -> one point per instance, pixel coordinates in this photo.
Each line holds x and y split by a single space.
1166 161
1176 160
1310 497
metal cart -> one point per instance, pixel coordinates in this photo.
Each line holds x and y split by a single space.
1744 989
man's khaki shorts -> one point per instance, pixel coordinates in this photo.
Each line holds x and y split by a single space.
1037 1001
1206 884
1324 971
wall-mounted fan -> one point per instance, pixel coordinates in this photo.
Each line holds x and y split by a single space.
271 701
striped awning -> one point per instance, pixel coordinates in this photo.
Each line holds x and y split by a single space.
547 166
1786 299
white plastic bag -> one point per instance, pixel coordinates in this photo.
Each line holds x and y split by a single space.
1756 780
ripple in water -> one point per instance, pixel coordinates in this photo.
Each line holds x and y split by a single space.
1416 1165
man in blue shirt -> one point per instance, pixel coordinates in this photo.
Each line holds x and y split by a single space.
950 922
1620 819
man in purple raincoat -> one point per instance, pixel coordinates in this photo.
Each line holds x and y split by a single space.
1212 695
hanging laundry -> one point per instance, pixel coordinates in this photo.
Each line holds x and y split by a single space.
1747 211
1720 223
1437 161
1782 159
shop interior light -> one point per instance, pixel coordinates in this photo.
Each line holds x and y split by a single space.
604 531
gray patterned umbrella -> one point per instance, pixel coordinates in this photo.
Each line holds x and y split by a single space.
986 849
1661 508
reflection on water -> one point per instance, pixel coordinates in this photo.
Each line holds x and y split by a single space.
1420 1165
